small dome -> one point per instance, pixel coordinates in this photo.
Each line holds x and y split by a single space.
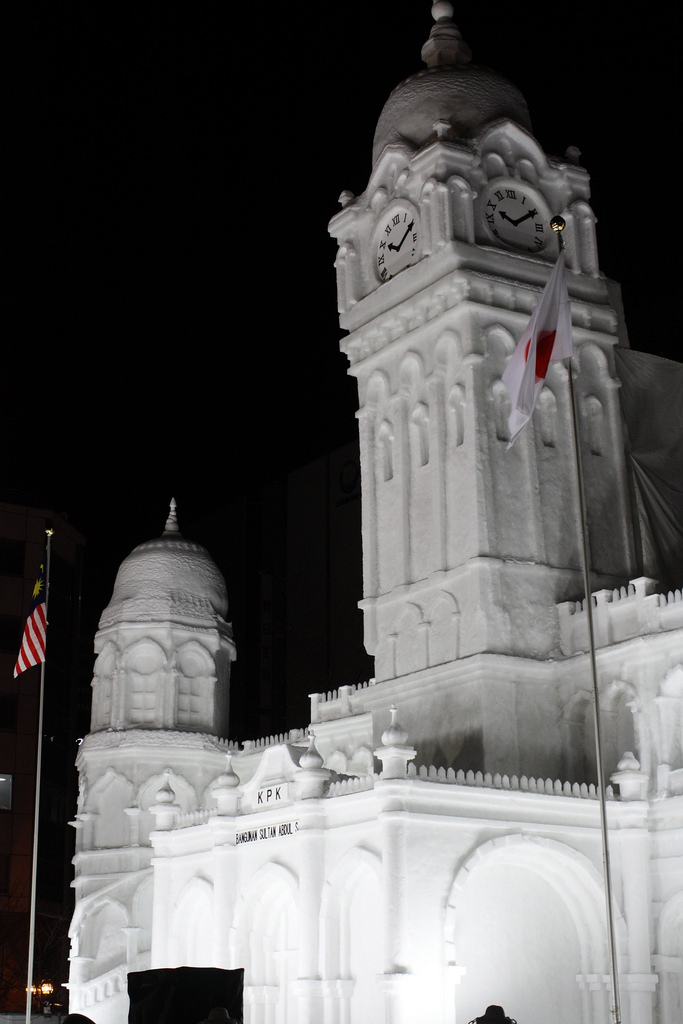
167 578
449 89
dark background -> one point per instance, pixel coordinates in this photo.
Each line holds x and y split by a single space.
168 172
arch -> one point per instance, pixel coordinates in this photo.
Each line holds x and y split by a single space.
519 147
455 425
436 215
672 684
346 265
419 435
337 762
547 418
146 797
667 720
141 917
362 762
191 940
617 704
500 401
101 938
499 345
448 354
107 800
593 366
584 221
593 417
523 909
411 372
265 935
377 391
195 672
352 916
385 451
145 666
104 675
578 741
411 637
443 629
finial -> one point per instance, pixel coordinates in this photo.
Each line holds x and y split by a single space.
395 752
395 734
311 759
445 44
166 794
172 521
229 779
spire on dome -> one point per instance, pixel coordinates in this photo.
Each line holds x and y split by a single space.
172 527
445 44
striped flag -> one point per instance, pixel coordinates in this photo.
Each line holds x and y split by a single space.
35 631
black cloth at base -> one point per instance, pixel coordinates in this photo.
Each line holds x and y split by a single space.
183 995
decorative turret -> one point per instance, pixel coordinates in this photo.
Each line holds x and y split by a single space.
166 808
395 752
164 648
311 777
227 791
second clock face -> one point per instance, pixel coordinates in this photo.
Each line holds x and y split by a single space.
397 241
516 217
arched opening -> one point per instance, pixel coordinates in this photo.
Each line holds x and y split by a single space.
524 924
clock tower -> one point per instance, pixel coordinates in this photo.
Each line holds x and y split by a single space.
467 543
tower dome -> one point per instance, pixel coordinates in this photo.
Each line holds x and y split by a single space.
167 578
450 89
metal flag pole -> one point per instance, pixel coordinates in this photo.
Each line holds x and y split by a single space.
36 813
558 224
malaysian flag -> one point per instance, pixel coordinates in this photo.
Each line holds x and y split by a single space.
35 631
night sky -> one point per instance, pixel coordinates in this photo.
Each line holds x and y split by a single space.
168 173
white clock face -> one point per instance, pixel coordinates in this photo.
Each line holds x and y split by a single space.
398 241
516 217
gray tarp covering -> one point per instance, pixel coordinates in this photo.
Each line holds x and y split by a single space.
652 403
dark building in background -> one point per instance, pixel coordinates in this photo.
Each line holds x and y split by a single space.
66 716
290 553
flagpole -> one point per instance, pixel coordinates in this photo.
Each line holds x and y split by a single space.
36 813
558 224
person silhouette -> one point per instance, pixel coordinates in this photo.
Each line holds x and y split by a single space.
494 1015
219 1015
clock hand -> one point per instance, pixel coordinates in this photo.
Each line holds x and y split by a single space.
397 248
516 221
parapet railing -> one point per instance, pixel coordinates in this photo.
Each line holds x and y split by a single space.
340 701
620 614
494 780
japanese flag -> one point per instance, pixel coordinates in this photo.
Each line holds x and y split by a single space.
548 335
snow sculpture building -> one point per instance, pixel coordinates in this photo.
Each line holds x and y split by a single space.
434 845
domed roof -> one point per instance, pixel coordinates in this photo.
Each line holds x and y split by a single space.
167 578
450 89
